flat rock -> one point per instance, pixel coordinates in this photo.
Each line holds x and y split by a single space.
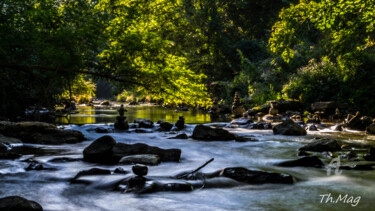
147 159
180 136
9 155
206 133
121 150
93 171
312 161
255 177
19 203
322 145
39 133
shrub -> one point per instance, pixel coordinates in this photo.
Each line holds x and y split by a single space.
318 81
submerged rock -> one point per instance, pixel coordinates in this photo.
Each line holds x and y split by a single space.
121 150
93 171
64 159
19 203
147 159
120 170
9 155
289 127
311 128
371 155
322 145
3 148
360 167
144 123
370 129
100 130
40 133
245 139
100 150
255 177
303 153
136 182
180 136
312 161
8 141
206 133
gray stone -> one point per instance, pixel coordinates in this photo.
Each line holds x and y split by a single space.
120 150
322 145
147 159
206 133
312 161
19 203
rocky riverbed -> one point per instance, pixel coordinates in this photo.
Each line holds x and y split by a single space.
260 170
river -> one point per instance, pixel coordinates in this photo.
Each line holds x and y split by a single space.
54 192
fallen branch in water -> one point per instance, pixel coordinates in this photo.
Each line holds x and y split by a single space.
196 170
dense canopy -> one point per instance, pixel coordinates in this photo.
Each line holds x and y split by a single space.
187 51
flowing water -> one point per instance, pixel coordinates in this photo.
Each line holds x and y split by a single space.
54 192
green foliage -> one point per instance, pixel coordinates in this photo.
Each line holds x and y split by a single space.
81 89
318 81
43 44
142 50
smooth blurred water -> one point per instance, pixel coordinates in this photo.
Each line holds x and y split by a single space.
54 192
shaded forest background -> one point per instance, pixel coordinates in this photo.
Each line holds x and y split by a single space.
187 51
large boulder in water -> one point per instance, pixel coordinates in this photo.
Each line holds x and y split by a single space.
121 150
255 177
100 151
289 127
39 133
326 108
206 133
19 203
312 161
357 122
322 145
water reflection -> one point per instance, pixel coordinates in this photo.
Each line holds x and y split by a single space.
91 115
